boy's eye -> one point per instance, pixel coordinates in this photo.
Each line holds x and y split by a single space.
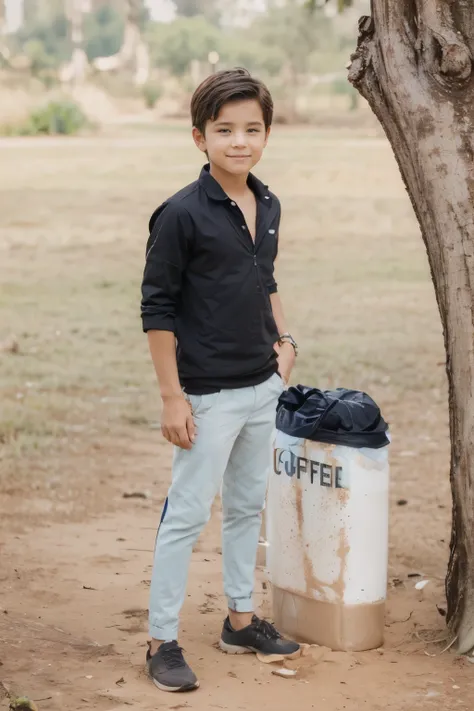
224 130
254 130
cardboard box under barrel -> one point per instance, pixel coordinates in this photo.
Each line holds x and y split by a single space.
327 533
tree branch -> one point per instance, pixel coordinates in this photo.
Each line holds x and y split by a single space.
445 52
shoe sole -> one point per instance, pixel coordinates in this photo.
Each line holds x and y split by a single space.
172 689
234 649
175 689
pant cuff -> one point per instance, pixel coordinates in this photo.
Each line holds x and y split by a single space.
164 634
242 604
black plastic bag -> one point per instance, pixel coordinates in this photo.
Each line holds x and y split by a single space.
347 417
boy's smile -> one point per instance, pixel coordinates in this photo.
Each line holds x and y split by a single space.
235 140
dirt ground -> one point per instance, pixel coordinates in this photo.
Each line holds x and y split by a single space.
79 422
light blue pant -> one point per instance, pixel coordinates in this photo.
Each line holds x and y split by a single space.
232 451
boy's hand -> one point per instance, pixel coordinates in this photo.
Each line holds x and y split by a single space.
177 423
286 361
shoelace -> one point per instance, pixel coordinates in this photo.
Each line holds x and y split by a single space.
266 629
173 657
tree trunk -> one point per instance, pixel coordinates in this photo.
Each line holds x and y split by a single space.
75 71
414 65
4 54
133 53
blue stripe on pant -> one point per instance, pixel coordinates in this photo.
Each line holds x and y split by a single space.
163 514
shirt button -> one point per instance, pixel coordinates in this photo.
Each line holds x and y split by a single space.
267 197
233 204
244 227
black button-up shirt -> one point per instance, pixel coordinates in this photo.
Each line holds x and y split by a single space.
209 283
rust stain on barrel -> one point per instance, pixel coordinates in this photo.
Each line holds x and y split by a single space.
312 582
299 506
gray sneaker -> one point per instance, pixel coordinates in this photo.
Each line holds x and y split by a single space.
260 636
168 670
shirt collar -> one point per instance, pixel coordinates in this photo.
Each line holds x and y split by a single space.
215 192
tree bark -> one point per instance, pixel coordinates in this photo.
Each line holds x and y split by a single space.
414 65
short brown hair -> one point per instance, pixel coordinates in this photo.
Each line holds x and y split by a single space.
225 86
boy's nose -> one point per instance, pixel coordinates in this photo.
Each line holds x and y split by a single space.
239 139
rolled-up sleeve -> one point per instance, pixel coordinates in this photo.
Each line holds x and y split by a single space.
167 254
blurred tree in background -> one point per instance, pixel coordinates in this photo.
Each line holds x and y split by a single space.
300 47
296 31
103 31
209 9
341 4
173 46
284 38
44 36
290 36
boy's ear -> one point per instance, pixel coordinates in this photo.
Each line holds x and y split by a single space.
269 130
199 139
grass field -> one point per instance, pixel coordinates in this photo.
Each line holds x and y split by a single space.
352 272
353 276
79 417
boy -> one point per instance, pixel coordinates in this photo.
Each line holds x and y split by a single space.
215 323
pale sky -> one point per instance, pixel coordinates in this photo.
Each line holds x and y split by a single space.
161 10
14 9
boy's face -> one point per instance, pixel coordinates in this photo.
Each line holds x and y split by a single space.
235 141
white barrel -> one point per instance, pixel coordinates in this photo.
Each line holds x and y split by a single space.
327 530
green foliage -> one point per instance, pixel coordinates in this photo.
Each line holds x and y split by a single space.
103 32
38 57
341 4
240 50
151 93
62 117
284 37
45 35
195 8
174 46
295 32
45 39
57 117
290 39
